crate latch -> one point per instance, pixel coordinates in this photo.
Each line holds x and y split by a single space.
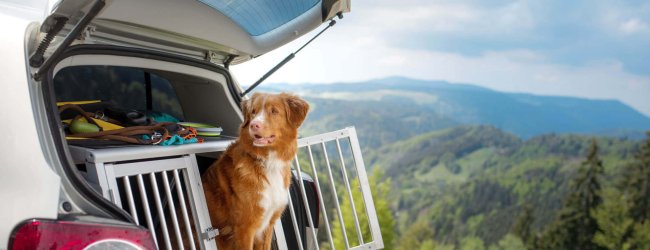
210 233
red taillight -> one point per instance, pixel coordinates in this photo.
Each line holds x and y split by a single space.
49 234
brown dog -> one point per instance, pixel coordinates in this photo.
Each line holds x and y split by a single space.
246 189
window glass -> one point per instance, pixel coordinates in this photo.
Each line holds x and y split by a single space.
259 17
124 86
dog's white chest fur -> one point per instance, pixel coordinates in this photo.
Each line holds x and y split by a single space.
274 194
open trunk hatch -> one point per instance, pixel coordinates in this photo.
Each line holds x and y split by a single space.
233 31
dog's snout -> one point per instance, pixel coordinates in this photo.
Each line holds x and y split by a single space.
256 125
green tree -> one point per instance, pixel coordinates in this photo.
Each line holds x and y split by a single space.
614 221
379 189
576 225
636 189
509 242
636 183
523 225
472 243
428 244
641 237
417 236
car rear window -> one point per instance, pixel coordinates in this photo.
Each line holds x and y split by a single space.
259 17
125 86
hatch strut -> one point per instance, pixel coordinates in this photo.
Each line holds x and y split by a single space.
288 58
36 59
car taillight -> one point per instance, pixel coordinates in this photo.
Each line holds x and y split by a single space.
51 234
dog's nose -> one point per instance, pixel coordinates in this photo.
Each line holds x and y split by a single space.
256 125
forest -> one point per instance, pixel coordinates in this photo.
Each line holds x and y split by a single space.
479 188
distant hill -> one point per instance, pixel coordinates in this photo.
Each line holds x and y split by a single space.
378 122
416 106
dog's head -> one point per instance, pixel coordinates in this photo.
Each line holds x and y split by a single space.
270 119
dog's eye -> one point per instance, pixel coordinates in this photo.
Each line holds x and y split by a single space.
274 111
253 111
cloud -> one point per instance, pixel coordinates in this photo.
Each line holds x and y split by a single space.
633 25
511 71
510 50
404 19
623 18
415 18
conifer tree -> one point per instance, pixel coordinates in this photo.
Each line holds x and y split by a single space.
522 226
637 183
576 224
636 188
641 237
614 221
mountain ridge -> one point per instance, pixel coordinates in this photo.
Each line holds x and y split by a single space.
525 115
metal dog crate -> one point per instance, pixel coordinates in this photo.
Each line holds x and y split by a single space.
152 182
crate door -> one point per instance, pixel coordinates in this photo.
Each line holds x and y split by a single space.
331 207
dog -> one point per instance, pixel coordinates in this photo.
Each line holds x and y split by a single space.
246 189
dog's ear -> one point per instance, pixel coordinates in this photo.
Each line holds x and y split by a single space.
246 110
296 108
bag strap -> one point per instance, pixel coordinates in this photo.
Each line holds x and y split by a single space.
89 115
157 134
81 112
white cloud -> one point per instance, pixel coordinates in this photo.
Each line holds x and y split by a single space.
402 17
622 19
514 16
524 71
432 17
633 25
357 49
393 61
395 14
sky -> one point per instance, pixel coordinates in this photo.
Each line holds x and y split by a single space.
597 49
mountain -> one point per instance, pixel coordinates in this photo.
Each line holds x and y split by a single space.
420 106
378 122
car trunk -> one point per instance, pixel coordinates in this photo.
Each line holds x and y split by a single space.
159 186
